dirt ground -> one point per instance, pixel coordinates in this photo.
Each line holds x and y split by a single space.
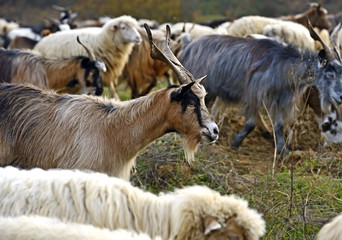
256 155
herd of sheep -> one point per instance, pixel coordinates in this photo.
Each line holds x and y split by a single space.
66 159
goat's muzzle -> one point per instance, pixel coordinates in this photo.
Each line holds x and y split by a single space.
210 132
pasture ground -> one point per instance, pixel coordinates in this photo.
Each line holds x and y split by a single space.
296 194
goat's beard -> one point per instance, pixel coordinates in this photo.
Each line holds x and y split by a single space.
190 146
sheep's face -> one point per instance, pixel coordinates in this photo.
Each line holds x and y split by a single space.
329 84
190 117
230 230
127 33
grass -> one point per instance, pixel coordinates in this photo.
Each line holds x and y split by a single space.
295 206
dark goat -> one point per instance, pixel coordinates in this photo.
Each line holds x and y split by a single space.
263 73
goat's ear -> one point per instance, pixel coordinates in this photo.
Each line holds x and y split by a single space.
179 94
211 224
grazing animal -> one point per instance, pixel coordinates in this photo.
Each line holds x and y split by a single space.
26 67
332 230
42 129
35 227
290 32
112 43
194 212
318 17
142 71
262 73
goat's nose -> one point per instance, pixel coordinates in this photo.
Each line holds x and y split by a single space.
214 131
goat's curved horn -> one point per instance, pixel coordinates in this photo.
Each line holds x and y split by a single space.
88 49
330 56
167 56
334 41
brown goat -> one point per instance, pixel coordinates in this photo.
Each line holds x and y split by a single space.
27 67
142 71
42 129
317 16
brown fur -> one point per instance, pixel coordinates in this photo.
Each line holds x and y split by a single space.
27 67
42 129
317 16
141 72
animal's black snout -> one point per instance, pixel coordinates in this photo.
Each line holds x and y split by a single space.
216 130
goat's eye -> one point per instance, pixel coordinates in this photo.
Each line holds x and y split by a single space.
123 28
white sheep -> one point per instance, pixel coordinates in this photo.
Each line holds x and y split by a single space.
44 228
248 25
195 30
290 32
332 230
112 44
195 212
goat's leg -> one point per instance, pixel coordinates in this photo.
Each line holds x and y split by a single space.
238 138
279 133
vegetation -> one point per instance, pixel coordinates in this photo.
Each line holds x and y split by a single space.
33 11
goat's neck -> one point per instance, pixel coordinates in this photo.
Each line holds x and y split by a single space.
141 121
60 71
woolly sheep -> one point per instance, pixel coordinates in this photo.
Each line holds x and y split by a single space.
332 230
290 32
44 228
112 44
194 212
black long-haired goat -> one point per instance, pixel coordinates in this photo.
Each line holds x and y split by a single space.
263 73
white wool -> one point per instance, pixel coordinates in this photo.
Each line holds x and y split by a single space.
290 32
43 228
332 230
95 198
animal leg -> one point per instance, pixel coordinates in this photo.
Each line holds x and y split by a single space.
238 138
113 92
279 133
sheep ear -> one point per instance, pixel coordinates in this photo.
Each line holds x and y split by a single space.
210 224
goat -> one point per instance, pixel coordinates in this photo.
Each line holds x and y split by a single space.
194 212
112 44
70 131
141 71
332 230
44 228
263 73
22 43
317 16
26 67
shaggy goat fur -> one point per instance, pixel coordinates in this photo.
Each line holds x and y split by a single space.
26 67
195 212
332 230
262 74
43 129
43 228
112 44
